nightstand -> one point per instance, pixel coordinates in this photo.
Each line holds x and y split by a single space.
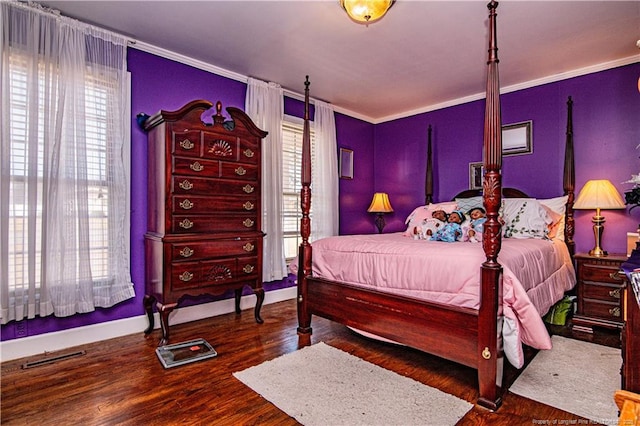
600 289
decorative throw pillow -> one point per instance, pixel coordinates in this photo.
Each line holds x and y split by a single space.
466 204
558 206
525 218
421 213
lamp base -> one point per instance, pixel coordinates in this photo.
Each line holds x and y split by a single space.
598 227
380 222
598 252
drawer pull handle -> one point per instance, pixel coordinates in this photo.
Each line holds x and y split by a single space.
615 293
241 171
185 276
248 153
486 353
248 205
248 223
248 247
615 311
186 185
186 252
186 204
248 269
615 276
196 167
248 189
186 144
186 224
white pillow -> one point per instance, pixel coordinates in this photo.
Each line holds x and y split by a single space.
525 218
558 206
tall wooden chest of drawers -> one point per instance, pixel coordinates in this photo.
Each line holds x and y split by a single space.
600 289
204 211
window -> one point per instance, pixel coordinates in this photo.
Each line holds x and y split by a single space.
292 128
96 157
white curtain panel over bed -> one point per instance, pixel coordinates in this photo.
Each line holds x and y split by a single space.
324 173
265 105
64 237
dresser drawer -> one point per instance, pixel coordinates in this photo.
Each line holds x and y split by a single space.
220 147
249 152
191 185
601 273
602 291
195 275
239 171
604 310
218 223
187 143
202 205
196 167
214 248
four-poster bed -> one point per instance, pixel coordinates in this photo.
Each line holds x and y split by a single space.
469 336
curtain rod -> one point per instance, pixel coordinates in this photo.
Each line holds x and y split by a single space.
44 10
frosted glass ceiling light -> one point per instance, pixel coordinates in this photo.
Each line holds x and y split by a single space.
366 11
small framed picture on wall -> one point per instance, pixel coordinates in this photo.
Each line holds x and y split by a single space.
517 139
475 175
346 163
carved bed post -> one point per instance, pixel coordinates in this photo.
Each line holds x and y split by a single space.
569 181
428 181
304 252
491 271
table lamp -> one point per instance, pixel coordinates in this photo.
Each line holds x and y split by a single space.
380 205
598 194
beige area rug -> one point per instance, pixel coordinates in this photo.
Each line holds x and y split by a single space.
575 376
322 385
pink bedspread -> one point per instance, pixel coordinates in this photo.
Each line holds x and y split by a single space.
536 273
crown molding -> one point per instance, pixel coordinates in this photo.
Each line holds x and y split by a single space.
453 102
515 87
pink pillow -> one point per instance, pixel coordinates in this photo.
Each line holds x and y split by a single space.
423 212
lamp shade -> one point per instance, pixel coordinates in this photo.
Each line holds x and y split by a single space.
599 194
380 203
366 11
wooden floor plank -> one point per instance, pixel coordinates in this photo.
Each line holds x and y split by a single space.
121 381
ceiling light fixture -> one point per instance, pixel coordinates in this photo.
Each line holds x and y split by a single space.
366 11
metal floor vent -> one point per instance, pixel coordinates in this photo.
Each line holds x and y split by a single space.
52 359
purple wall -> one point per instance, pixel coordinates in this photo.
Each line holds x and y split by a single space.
158 83
606 117
390 157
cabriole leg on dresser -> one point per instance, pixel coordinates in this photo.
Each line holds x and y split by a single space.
260 299
238 293
148 302
164 311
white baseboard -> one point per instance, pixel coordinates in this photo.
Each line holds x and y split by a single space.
59 340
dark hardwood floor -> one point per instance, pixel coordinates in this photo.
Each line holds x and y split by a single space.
121 381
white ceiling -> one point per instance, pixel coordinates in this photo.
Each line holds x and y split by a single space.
422 55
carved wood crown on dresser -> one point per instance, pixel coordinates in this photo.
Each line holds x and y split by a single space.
204 210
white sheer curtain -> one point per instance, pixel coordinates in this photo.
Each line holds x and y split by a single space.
63 227
324 171
265 105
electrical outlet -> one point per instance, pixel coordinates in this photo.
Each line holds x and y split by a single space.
21 328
